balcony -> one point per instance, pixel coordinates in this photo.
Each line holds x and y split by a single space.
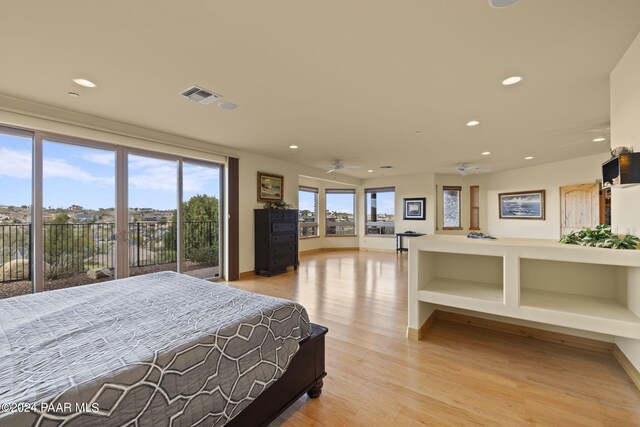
79 254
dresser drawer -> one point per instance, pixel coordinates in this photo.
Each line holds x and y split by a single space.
283 227
284 216
283 250
283 238
285 261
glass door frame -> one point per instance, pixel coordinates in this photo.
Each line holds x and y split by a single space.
124 192
221 211
16 131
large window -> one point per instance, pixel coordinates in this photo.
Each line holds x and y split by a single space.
451 208
78 214
308 211
380 211
474 202
340 212
67 217
153 201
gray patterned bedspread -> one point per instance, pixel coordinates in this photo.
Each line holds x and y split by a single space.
154 350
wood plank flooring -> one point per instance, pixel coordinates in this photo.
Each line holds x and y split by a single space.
460 375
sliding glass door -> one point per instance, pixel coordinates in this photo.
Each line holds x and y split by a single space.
16 159
78 214
153 218
201 219
75 212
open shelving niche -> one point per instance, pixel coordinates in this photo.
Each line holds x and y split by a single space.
589 289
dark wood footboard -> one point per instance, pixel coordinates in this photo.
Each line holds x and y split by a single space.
304 375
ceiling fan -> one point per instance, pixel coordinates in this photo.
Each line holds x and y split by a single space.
466 169
337 165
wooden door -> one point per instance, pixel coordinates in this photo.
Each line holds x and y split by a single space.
579 207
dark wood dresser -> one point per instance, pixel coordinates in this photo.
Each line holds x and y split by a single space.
276 244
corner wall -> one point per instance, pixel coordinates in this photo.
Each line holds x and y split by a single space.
625 201
422 185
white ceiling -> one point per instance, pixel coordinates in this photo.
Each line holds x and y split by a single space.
343 79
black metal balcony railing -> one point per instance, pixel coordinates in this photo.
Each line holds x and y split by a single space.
77 248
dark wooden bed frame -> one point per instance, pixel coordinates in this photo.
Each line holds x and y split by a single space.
304 375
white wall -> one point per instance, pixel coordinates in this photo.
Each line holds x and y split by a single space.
625 131
422 185
549 177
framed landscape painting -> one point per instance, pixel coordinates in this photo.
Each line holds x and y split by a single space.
522 205
270 187
414 208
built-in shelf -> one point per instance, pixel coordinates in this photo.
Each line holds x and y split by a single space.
441 290
604 315
591 289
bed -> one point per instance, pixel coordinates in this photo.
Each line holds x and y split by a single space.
154 350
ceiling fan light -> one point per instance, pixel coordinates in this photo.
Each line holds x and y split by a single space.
500 4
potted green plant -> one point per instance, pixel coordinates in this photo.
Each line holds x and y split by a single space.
601 237
279 204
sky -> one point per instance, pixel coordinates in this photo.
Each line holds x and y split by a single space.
86 177
339 202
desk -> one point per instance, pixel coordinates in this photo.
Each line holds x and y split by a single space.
399 236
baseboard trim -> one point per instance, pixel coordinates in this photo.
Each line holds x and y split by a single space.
527 332
389 251
318 250
418 334
626 364
247 274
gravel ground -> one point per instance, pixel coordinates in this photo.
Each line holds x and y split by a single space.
13 289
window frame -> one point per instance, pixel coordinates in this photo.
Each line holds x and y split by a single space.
380 224
474 207
459 190
328 191
315 224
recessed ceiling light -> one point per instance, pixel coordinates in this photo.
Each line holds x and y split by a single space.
486 153
73 94
499 4
473 123
418 131
370 170
294 147
84 82
511 80
227 105
599 139
528 158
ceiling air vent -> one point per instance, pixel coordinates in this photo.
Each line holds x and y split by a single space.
200 95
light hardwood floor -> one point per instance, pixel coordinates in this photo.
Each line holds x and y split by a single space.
459 375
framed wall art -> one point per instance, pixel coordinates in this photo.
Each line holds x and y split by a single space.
414 208
522 205
270 187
